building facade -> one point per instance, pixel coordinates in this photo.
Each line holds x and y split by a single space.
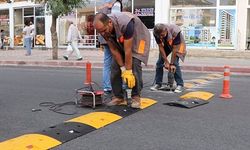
205 24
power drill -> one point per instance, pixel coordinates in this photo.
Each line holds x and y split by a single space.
127 94
171 80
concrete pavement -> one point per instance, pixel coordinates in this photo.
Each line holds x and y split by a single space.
196 60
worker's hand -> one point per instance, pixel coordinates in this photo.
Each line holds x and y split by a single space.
102 48
129 78
172 68
166 65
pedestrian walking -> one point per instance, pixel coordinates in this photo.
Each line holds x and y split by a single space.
27 34
170 40
72 39
107 8
32 33
2 36
129 41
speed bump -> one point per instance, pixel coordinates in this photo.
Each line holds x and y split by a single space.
71 129
216 75
191 99
189 85
198 95
146 102
97 119
199 81
30 141
209 77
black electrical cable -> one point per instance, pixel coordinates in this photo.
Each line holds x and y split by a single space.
57 108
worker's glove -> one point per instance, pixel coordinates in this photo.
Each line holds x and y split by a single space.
129 78
172 68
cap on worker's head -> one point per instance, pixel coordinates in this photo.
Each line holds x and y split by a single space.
107 1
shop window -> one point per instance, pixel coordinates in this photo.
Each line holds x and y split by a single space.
144 9
4 25
40 31
29 11
28 15
127 5
86 27
226 30
198 25
39 11
18 27
227 2
193 3
248 29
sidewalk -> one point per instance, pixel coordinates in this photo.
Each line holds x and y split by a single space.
196 60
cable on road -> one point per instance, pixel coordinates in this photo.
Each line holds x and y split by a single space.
57 108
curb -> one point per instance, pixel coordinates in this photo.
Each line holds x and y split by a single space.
77 64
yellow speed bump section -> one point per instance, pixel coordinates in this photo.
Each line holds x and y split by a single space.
209 77
198 94
97 119
216 75
30 142
199 81
146 102
189 85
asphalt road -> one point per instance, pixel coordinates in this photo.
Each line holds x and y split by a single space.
219 125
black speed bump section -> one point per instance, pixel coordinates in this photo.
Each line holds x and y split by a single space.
125 111
191 99
190 103
67 131
71 129
122 110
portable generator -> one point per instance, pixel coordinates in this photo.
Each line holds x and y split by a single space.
87 96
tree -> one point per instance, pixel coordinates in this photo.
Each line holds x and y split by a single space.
58 8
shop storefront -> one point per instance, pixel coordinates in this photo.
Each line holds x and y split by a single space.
84 19
209 24
248 27
13 14
4 24
205 24
34 15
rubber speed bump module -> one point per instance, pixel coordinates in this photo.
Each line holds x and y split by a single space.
192 99
73 128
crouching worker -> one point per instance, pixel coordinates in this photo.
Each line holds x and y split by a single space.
129 41
170 40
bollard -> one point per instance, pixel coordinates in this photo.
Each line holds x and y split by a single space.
226 84
88 73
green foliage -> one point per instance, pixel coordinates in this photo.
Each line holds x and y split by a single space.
63 7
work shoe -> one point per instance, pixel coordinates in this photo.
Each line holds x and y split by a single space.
136 102
179 89
65 57
107 96
116 101
155 87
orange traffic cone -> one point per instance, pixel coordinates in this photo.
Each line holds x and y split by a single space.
226 83
88 73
